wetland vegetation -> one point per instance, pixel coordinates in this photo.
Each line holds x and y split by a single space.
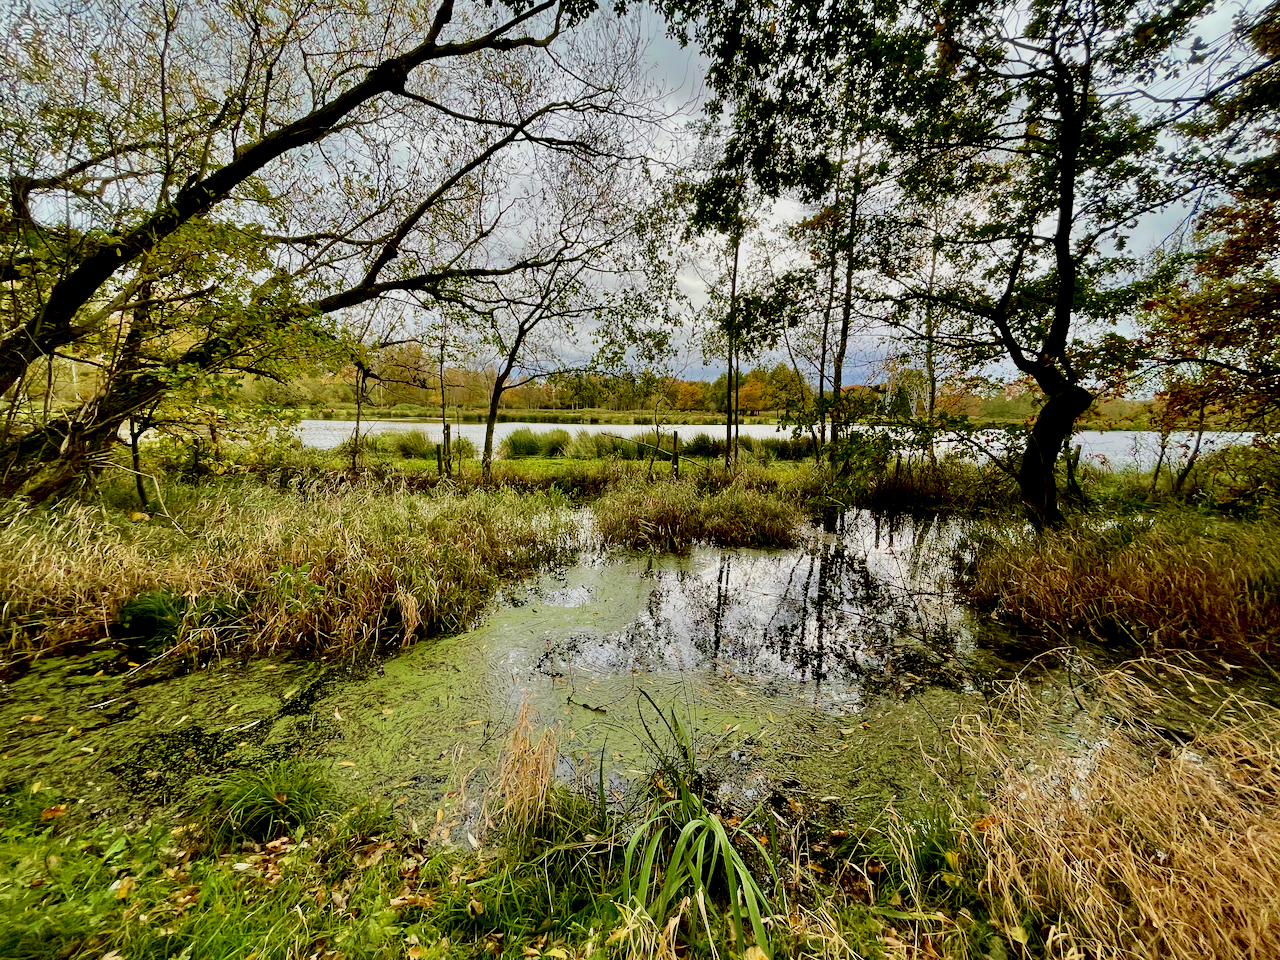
298 711
870 658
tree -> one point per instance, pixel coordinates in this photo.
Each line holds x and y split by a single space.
1052 114
196 189
1215 328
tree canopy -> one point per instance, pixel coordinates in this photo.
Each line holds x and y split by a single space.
195 188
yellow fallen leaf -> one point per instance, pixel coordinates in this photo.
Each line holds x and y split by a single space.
387 711
414 952
35 787
345 763
336 714
754 953
123 886
556 952
475 908
35 718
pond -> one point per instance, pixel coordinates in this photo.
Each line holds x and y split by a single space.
831 670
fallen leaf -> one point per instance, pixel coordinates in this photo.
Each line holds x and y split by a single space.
475 844
52 813
346 763
414 952
34 718
336 714
387 711
123 887
475 908
754 953
35 787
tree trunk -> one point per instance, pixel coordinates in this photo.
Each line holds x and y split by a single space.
1052 428
486 462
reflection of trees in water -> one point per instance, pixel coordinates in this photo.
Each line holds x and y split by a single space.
821 613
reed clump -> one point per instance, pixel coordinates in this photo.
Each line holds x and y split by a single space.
674 516
345 571
1177 580
1137 845
519 798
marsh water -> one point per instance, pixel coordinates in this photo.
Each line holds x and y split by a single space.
830 669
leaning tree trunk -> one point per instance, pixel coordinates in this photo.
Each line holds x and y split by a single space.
1053 426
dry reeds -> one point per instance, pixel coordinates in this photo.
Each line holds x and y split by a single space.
674 516
1136 846
519 795
1178 581
351 570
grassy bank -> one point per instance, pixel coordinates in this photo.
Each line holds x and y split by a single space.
239 567
1116 841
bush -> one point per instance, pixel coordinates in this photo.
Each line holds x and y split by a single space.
520 443
553 443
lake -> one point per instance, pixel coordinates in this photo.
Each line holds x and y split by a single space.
1110 449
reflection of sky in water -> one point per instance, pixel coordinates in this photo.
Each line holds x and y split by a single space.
862 611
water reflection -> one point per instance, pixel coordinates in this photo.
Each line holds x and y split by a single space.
866 609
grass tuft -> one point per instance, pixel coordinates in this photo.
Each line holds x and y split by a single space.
260 805
674 516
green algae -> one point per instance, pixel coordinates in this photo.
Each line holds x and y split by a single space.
829 675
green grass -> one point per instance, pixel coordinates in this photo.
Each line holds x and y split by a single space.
262 804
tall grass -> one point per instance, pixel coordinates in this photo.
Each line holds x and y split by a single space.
1175 580
1137 846
674 516
343 571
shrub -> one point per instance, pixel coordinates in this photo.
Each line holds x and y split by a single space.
520 443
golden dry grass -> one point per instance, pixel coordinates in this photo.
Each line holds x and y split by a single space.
1178 581
1136 845
673 516
520 792
340 571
